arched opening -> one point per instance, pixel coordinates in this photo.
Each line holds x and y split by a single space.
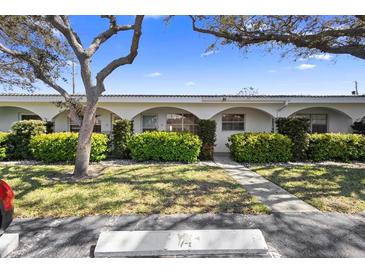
165 119
324 119
9 115
240 119
103 124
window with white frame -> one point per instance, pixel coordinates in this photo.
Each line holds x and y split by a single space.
318 122
179 122
149 122
233 122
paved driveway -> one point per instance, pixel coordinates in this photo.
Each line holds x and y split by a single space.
288 235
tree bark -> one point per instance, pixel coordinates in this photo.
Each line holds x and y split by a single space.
84 141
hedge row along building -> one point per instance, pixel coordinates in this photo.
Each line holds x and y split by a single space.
233 113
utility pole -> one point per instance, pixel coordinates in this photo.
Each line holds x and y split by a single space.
356 91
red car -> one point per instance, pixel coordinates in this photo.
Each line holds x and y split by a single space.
6 206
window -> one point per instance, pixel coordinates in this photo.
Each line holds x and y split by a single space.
318 122
233 122
76 128
181 122
29 117
149 122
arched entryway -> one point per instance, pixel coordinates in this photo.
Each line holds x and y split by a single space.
10 114
240 119
104 121
324 119
165 119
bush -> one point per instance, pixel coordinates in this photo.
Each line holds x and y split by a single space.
122 133
20 136
297 130
61 147
359 126
207 134
336 146
3 144
260 147
165 146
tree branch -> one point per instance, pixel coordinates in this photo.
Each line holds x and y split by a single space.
114 28
62 24
128 59
320 41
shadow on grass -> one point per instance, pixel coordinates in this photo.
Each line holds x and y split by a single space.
313 183
149 189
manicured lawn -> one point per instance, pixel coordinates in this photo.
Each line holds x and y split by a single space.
328 188
46 190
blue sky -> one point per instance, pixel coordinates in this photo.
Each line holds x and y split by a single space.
172 59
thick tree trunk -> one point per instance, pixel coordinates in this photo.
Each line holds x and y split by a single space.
84 141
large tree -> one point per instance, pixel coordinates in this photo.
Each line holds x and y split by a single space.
38 47
306 34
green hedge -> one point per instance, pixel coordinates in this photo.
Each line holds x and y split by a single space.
122 133
336 146
21 134
165 146
297 130
260 147
61 147
206 133
3 144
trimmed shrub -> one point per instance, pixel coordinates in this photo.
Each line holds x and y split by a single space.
297 130
122 133
3 144
61 147
21 134
260 147
165 146
206 133
336 146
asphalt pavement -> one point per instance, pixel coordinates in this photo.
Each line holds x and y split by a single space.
287 234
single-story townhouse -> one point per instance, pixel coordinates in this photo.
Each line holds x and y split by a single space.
233 113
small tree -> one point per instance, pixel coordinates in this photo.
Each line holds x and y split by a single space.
122 134
207 133
38 44
297 130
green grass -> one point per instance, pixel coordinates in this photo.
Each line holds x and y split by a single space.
46 190
328 188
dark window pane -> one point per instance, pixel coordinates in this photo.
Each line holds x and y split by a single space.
30 117
319 128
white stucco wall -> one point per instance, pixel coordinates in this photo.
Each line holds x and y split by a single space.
9 115
62 122
255 121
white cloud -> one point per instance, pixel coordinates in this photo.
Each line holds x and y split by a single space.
323 56
306 66
207 53
156 17
190 83
154 74
272 70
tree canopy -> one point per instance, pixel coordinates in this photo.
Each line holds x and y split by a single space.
306 34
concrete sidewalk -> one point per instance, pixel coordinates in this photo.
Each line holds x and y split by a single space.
273 196
287 235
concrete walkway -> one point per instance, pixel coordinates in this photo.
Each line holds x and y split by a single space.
273 196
